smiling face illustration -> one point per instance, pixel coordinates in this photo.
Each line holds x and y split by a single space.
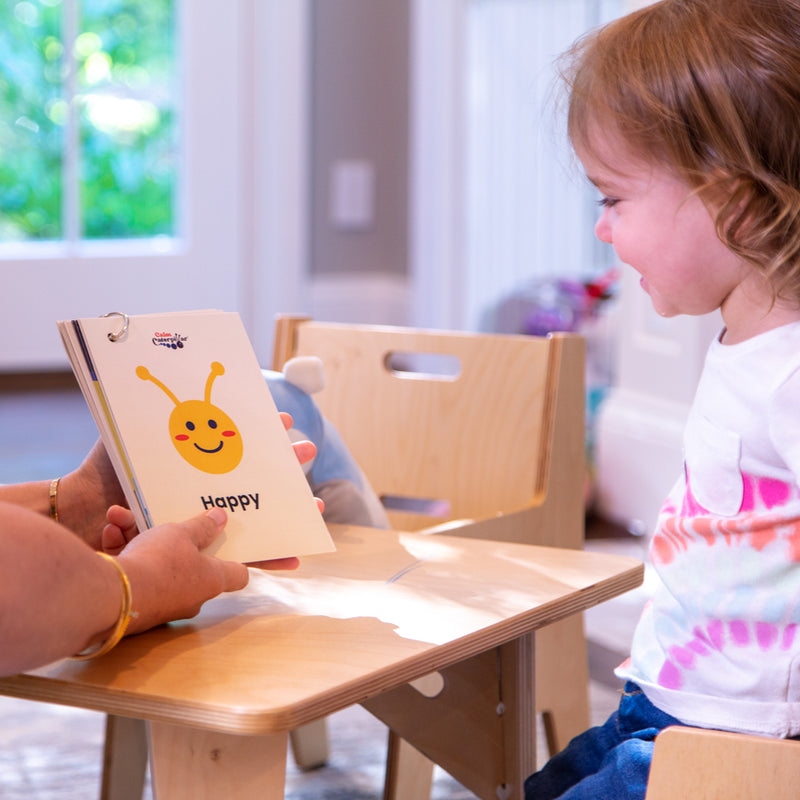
204 435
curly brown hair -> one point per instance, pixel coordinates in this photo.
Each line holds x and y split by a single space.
710 88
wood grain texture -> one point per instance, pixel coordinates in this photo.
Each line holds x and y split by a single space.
475 440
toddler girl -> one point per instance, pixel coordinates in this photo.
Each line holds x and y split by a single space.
686 117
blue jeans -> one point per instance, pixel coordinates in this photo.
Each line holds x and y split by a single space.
609 762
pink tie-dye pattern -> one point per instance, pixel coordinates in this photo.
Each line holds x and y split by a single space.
669 507
764 493
681 658
753 529
690 507
716 632
758 494
758 523
670 676
698 647
766 635
739 632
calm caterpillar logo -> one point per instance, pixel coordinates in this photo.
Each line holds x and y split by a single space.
204 435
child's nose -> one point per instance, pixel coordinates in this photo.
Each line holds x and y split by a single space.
602 230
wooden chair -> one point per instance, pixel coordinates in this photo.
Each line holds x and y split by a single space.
480 435
717 765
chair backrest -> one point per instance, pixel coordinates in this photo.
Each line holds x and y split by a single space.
452 425
718 765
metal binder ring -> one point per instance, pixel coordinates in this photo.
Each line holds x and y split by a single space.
120 333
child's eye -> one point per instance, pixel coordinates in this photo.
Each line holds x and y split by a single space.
608 202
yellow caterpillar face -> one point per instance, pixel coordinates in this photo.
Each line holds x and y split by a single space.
204 435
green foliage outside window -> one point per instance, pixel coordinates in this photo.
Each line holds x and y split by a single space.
110 90
31 144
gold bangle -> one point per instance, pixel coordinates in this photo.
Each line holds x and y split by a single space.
53 498
122 621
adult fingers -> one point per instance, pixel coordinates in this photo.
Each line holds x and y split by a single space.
205 527
234 576
304 450
123 518
112 540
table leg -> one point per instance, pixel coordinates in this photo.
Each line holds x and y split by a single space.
192 764
517 666
124 759
481 728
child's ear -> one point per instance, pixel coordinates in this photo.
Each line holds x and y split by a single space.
731 202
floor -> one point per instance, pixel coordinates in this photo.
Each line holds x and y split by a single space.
54 753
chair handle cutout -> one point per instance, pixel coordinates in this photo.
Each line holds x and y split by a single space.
425 506
423 366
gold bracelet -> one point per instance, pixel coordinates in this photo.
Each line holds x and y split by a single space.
122 621
53 498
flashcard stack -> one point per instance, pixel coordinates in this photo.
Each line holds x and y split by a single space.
190 424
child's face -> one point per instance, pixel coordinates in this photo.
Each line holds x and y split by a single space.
663 231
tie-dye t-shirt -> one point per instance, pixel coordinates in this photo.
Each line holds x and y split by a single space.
719 644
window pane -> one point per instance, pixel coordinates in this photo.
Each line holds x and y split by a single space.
88 123
126 63
32 117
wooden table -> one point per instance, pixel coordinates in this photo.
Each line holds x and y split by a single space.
222 691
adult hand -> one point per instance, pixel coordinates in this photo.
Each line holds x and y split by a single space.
86 493
121 530
57 598
170 576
